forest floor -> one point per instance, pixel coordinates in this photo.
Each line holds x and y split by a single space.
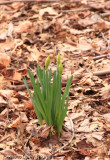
80 31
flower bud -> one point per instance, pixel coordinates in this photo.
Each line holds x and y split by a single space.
58 59
47 62
60 69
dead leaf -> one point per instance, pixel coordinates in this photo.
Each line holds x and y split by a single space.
84 129
4 113
15 123
17 5
83 144
101 26
23 117
28 105
97 5
44 152
98 135
48 10
21 95
2 102
6 46
44 130
87 80
85 152
34 55
65 135
23 27
12 75
107 117
14 100
66 47
4 83
79 115
10 30
84 44
10 152
78 32
4 60
6 93
3 35
105 92
95 18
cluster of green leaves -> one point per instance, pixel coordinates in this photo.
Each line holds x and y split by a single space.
48 102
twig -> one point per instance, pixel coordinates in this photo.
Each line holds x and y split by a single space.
38 1
77 10
67 142
20 87
101 56
17 81
98 73
4 138
105 14
101 73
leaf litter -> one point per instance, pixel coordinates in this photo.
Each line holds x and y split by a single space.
31 31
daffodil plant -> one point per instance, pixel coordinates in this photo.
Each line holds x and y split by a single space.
48 102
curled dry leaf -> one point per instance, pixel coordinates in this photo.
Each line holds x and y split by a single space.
28 105
14 100
15 123
21 95
4 60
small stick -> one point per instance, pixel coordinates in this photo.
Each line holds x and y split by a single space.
105 14
4 138
101 56
101 73
77 10
98 73
20 87
38 1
